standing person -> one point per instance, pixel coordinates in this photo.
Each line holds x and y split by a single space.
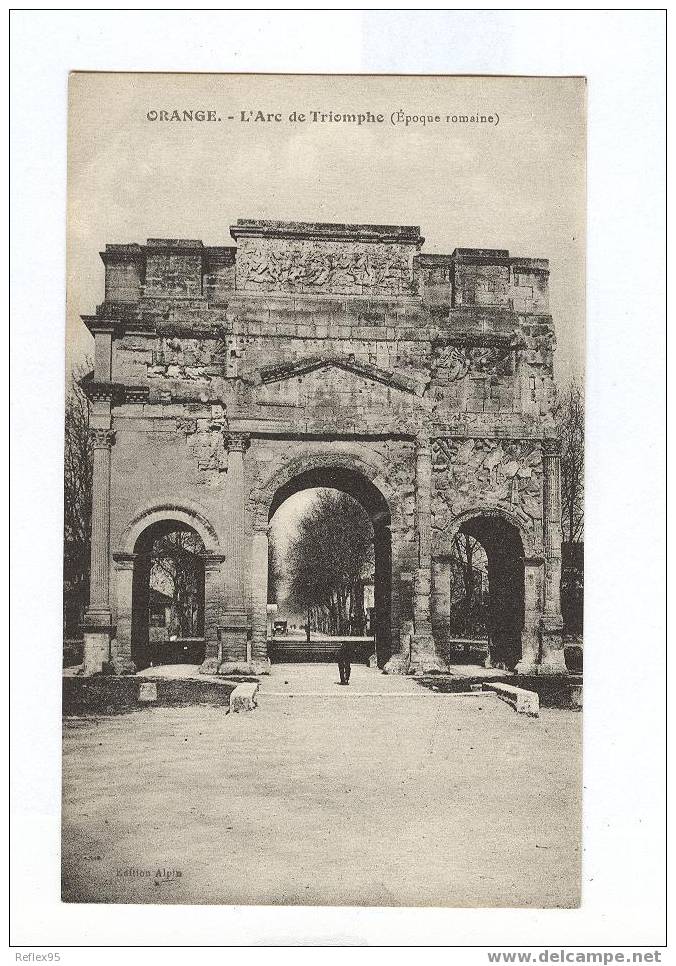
344 659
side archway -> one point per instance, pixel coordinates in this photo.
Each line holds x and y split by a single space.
507 543
187 514
160 585
442 543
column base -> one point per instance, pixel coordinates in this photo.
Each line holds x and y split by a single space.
556 666
397 664
424 657
96 651
209 666
97 637
233 638
248 668
553 669
123 665
525 666
427 666
120 658
259 653
552 660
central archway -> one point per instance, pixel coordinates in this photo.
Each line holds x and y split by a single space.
360 488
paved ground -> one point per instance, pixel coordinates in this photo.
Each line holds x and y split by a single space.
324 678
404 797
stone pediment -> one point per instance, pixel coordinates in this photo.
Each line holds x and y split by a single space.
338 385
291 370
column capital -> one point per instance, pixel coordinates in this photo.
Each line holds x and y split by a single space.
213 561
124 561
236 442
423 443
102 438
551 447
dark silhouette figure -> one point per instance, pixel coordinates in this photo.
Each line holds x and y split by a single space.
344 659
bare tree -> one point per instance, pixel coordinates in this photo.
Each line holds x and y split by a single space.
77 509
467 605
569 416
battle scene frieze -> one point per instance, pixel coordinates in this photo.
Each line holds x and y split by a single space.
334 268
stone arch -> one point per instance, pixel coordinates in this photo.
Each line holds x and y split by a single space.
185 512
443 541
372 469
507 538
364 478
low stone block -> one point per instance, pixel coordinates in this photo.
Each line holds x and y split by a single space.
243 698
523 702
147 691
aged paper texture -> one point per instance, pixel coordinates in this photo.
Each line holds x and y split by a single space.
324 482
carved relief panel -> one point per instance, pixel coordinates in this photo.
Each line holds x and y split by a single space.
474 379
188 359
469 472
337 268
207 450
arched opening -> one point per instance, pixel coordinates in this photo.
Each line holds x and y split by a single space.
366 596
167 624
498 607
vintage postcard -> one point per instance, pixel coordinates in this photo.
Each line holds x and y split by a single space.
324 482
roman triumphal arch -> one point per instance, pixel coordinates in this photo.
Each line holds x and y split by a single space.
227 378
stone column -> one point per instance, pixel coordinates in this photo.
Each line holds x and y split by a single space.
98 618
382 594
120 647
423 652
236 444
551 625
235 646
259 592
440 604
530 636
213 611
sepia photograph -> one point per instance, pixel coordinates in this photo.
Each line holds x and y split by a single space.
324 490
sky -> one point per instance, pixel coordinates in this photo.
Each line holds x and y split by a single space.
517 184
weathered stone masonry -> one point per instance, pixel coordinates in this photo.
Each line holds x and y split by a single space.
227 378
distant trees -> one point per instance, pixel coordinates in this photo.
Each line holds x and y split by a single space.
569 416
177 570
327 562
77 504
